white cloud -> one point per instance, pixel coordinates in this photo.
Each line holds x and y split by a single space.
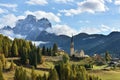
89 30
58 14
110 1
62 29
90 6
37 43
11 34
84 21
40 14
10 20
2 11
67 30
117 2
63 1
105 28
37 2
98 30
13 6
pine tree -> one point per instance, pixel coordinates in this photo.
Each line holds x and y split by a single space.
33 75
5 50
44 77
43 50
55 49
12 65
39 56
35 60
17 73
65 58
107 56
20 74
50 53
25 75
14 49
53 75
39 77
3 60
1 75
24 55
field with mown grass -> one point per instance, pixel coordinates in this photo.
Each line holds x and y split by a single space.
104 72
106 75
41 70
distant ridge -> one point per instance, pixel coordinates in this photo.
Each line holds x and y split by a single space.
35 30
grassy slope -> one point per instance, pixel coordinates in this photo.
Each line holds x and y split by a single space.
106 75
47 65
97 70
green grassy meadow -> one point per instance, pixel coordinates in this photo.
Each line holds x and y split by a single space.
97 70
106 75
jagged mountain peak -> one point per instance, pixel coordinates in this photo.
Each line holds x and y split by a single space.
43 19
31 26
30 19
7 28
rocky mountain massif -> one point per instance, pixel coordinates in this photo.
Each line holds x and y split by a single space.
35 30
30 27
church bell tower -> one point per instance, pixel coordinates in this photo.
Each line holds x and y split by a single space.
72 47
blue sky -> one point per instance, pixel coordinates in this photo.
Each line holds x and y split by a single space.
67 16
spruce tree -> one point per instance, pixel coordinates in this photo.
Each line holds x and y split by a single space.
65 58
16 75
43 50
3 60
35 60
1 75
5 49
12 65
33 74
44 77
53 75
20 74
14 49
107 56
55 49
39 77
39 56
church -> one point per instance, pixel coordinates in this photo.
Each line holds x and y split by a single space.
80 54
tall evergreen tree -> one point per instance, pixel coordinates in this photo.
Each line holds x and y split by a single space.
12 65
39 56
55 49
35 60
65 58
53 75
24 55
44 77
3 60
1 75
43 50
14 49
107 56
33 74
5 50
20 74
